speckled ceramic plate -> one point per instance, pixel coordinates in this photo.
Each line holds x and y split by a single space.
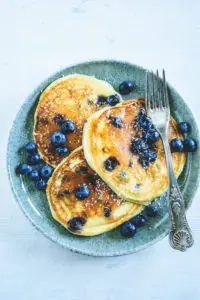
34 203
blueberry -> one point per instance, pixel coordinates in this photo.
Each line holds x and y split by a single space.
190 145
138 145
67 127
139 221
82 192
76 224
184 127
59 119
107 212
101 100
126 87
146 157
144 121
150 155
63 151
144 163
113 100
151 135
110 163
40 184
46 171
30 147
176 145
24 169
128 229
116 122
58 139
34 175
152 210
34 159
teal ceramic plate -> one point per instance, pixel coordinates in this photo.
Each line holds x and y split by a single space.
34 203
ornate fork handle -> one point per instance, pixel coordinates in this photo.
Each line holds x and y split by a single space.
180 234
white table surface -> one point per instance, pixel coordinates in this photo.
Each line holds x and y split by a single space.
39 37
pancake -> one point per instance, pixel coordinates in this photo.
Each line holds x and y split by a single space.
69 174
129 180
75 98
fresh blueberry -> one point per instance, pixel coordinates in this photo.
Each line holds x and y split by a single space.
30 147
126 87
190 145
34 175
110 163
151 135
128 229
139 221
176 145
144 121
82 192
152 210
101 100
63 151
113 100
148 155
24 169
76 224
152 155
107 212
67 127
34 159
144 163
116 122
138 145
41 184
46 171
184 127
58 139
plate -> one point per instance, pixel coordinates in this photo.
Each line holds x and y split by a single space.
34 203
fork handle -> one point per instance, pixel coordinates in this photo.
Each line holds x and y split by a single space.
180 235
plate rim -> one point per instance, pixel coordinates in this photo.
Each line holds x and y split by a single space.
95 253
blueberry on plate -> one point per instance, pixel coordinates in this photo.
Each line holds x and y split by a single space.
111 163
63 151
128 229
151 135
113 100
138 145
24 169
82 192
139 221
152 210
76 224
46 171
40 184
58 139
116 122
67 127
126 87
184 127
190 145
30 147
176 145
34 159
34 175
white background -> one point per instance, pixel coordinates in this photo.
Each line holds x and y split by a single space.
38 38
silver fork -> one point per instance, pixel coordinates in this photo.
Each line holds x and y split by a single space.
157 108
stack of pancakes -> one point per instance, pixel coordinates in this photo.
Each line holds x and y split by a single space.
124 191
